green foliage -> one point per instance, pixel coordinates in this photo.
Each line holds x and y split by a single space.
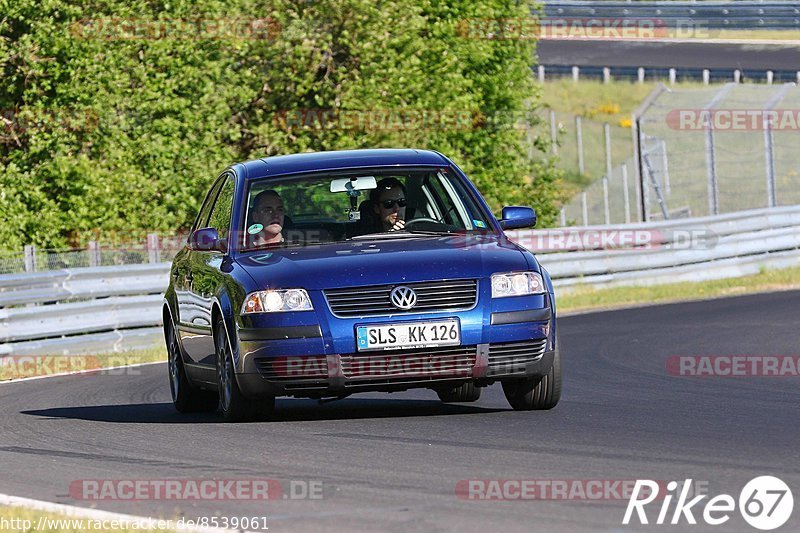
106 130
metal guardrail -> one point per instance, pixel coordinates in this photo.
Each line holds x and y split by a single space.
112 309
732 14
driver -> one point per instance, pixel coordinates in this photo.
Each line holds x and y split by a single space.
389 202
267 213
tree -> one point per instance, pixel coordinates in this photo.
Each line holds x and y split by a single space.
119 114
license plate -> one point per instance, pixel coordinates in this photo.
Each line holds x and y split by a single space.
408 335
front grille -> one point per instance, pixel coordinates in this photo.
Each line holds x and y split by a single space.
411 365
511 357
432 296
293 368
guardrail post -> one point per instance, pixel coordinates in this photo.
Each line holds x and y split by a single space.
770 77
673 76
640 74
541 73
152 247
606 75
576 73
30 258
94 253
706 76
737 76
579 134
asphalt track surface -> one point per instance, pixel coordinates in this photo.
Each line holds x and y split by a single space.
669 55
391 462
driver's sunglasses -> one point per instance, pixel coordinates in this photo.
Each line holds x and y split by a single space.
388 204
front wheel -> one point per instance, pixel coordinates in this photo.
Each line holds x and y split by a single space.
235 406
536 393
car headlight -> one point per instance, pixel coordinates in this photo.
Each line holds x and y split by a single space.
277 301
517 284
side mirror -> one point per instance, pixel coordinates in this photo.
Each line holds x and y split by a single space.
515 217
207 240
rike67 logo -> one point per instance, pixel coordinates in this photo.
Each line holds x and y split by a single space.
765 503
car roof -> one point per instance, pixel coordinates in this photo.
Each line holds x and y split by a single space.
319 161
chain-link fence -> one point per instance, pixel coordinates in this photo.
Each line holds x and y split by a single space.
156 249
727 149
701 152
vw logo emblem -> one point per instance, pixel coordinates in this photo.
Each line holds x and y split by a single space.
403 297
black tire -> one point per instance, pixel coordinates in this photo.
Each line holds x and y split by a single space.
185 397
235 406
536 394
466 392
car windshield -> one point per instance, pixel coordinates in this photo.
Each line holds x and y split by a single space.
364 204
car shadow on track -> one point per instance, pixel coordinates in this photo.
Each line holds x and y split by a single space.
287 410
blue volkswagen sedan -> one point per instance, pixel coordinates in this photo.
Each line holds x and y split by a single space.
320 275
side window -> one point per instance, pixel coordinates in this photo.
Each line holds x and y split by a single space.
202 217
220 218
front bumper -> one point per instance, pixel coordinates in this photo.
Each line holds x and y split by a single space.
320 376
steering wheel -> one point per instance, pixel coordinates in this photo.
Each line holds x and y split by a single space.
421 219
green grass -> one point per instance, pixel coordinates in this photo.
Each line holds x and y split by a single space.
612 102
584 298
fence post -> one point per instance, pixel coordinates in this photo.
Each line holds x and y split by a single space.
541 73
152 247
563 218
625 194
553 132
94 253
711 169
641 212
585 209
711 154
30 258
769 144
579 133
609 170
665 166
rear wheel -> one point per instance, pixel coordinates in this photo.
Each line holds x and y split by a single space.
235 406
466 392
537 393
185 397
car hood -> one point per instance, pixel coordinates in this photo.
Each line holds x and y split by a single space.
375 262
